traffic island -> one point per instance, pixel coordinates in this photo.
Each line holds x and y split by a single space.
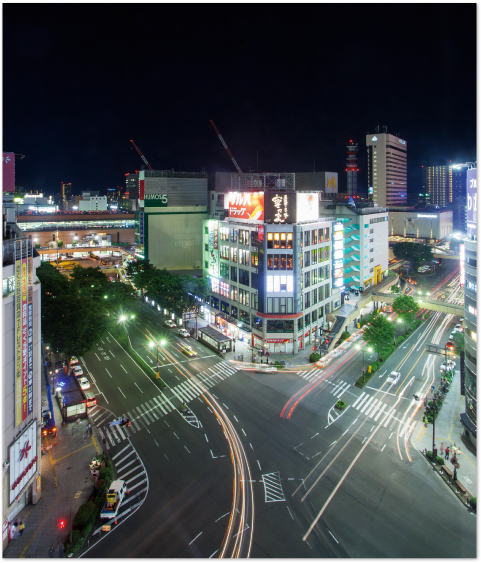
340 405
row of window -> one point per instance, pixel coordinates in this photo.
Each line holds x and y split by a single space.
279 261
242 296
233 234
317 294
279 240
316 236
315 276
312 257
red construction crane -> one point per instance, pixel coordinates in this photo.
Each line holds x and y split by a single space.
141 155
226 147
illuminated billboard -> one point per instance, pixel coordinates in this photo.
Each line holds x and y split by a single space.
247 206
461 264
23 460
213 248
338 261
307 207
471 200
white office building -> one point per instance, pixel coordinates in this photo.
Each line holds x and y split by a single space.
386 168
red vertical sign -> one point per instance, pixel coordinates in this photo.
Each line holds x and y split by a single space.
24 339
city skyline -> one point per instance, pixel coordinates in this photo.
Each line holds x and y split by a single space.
284 98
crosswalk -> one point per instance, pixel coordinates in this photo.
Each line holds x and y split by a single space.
339 388
273 487
374 408
158 406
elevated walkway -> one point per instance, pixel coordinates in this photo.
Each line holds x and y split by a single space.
431 304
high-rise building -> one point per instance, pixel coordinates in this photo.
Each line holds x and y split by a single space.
351 167
469 417
66 191
132 185
386 168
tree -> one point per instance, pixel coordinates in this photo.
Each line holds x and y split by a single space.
416 253
406 308
458 340
379 334
395 288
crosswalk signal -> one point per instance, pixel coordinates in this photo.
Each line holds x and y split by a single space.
62 524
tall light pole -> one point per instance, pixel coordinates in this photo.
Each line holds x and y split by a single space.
363 352
156 344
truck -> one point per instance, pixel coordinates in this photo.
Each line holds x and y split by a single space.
115 495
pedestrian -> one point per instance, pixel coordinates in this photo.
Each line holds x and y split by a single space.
21 527
15 529
446 456
442 449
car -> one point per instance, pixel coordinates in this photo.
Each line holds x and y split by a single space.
188 351
78 371
84 383
447 365
170 323
91 400
394 377
265 368
183 332
73 360
450 345
59 366
459 326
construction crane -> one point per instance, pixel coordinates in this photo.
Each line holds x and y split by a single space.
226 147
141 155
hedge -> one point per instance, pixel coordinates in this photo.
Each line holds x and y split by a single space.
83 515
315 357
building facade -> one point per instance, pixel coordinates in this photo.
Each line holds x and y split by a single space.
21 352
352 169
469 417
173 208
386 168
365 247
431 225
269 261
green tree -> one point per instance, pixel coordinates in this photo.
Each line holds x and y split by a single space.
415 253
395 289
406 308
379 334
458 340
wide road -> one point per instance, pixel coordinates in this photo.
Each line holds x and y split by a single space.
321 485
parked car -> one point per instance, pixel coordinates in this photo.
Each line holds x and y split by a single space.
91 400
448 365
450 345
84 383
170 323
394 377
459 327
78 371
73 360
183 332
59 366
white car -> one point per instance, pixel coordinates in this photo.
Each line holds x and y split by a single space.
183 332
73 360
265 368
84 383
394 377
450 365
78 371
170 323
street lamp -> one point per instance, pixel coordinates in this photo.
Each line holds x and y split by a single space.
151 345
363 352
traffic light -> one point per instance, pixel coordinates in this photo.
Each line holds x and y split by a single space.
62 524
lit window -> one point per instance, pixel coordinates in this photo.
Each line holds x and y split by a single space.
277 285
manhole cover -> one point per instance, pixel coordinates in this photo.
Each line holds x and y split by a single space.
77 494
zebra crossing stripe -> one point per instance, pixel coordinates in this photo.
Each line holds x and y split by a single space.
161 407
379 413
371 406
147 417
366 398
366 405
310 372
95 411
131 488
175 393
155 409
152 410
389 418
403 431
128 464
134 422
103 416
301 373
125 457
227 368
121 432
109 438
131 471
121 452
358 399
185 389
336 388
315 374
273 488
343 391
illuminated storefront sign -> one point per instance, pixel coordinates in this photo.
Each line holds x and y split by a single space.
402 142
23 460
471 181
246 206
338 262
156 200
213 248
280 208
307 207
374 138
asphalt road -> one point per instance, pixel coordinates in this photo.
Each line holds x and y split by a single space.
352 476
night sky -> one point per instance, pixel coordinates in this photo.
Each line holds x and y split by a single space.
291 82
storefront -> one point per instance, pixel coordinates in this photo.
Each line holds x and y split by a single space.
280 345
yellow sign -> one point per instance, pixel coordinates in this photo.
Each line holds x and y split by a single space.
331 183
106 528
38 483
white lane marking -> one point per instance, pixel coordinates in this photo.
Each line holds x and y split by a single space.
364 440
210 410
138 387
167 423
314 435
123 368
156 442
225 406
169 370
176 436
215 397
226 514
121 451
206 439
332 536
187 448
359 398
366 404
107 371
383 447
111 353
259 465
251 446
166 457
121 392
196 538
243 432
97 356
319 452
383 373
210 557
390 435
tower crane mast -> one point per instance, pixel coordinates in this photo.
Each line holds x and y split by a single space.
141 155
226 147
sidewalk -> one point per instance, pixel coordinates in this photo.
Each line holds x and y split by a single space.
449 432
66 484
